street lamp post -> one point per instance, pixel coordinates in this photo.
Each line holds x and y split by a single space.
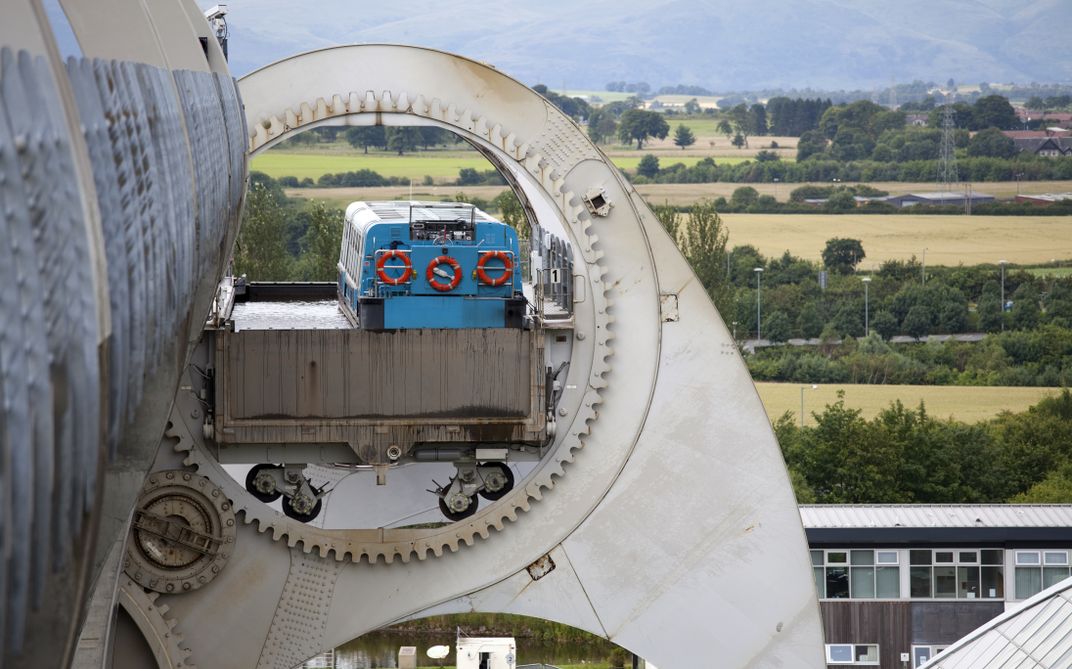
1003 263
923 268
759 303
867 321
802 389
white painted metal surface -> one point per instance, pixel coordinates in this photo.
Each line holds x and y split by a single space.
936 515
1035 635
665 507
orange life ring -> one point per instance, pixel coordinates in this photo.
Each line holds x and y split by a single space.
431 273
381 267
508 268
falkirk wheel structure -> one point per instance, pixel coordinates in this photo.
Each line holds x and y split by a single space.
658 513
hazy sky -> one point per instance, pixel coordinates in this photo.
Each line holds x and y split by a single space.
719 44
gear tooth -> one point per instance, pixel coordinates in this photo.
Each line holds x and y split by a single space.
163 609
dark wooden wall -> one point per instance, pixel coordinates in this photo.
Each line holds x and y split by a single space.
889 624
895 626
945 622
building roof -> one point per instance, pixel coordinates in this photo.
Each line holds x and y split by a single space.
1035 635
941 196
1045 197
1035 134
1063 144
846 516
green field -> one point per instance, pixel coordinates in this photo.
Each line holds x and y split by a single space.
964 403
440 165
1051 272
946 240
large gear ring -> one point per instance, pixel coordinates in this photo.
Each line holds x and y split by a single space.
182 534
159 631
387 544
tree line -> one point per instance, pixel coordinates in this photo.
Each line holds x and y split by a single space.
907 456
825 168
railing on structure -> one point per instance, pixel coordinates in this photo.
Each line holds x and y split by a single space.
324 660
556 268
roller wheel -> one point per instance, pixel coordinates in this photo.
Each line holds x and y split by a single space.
459 515
251 487
291 512
503 488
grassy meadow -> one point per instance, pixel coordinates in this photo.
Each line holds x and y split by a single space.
441 165
964 403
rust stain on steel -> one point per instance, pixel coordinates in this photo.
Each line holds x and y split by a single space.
541 567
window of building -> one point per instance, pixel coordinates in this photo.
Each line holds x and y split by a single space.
956 574
923 654
852 653
856 574
1038 570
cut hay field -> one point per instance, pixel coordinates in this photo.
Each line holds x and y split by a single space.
947 240
964 403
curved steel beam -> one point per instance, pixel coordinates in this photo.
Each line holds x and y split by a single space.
665 508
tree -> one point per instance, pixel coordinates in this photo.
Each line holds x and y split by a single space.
648 166
364 137
884 324
809 322
1025 311
433 136
320 244
670 218
512 213
468 176
639 125
692 107
744 196
842 200
811 143
991 143
757 119
739 140
842 255
993 111
703 243
918 321
403 139
261 249
601 125
726 128
683 137
989 309
776 327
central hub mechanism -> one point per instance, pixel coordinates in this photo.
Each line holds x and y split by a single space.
182 534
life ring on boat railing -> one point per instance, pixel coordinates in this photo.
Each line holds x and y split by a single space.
507 268
406 266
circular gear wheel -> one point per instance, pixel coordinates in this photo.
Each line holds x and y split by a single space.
159 631
375 544
182 534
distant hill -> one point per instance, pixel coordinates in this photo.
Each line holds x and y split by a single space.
830 44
